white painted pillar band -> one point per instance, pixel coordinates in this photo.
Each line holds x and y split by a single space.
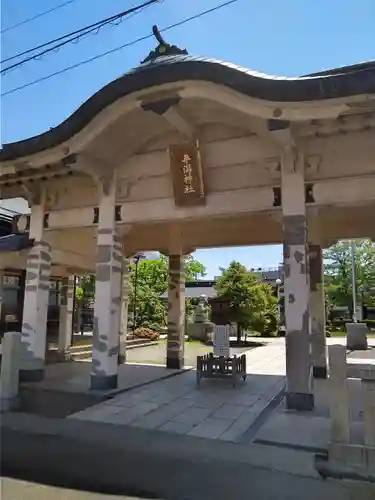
126 286
105 350
176 312
299 394
66 316
34 320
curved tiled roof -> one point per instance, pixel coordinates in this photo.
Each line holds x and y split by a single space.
15 242
343 82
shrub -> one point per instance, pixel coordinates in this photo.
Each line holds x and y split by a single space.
146 333
369 322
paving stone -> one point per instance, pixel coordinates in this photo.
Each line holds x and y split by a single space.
163 414
128 415
211 428
246 399
210 403
129 399
230 411
176 427
96 413
162 398
296 429
192 416
179 405
239 426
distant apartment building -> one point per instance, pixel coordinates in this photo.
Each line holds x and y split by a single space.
197 288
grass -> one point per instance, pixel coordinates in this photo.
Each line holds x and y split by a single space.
342 333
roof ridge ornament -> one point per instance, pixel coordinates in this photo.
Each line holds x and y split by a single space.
163 49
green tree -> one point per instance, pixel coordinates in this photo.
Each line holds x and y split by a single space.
85 290
253 304
338 273
152 281
194 269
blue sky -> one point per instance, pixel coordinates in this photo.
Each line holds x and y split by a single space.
283 37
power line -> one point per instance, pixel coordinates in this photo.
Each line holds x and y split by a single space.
77 32
73 36
108 52
37 16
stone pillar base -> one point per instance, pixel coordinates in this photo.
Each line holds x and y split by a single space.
121 360
35 375
103 382
299 401
8 404
175 363
319 371
64 356
356 339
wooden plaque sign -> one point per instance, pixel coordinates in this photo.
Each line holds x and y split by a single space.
186 170
221 313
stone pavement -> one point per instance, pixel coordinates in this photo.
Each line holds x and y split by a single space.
123 460
16 489
215 410
311 430
75 377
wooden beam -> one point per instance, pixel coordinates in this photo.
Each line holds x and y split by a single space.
177 120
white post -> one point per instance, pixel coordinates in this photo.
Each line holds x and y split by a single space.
10 364
368 387
1 291
66 317
317 312
354 281
339 395
126 285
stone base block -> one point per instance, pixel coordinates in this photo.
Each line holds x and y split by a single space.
35 375
175 363
356 339
319 371
103 382
337 468
200 331
299 401
63 356
121 360
7 404
354 455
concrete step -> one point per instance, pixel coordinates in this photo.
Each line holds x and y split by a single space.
84 350
136 342
82 354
